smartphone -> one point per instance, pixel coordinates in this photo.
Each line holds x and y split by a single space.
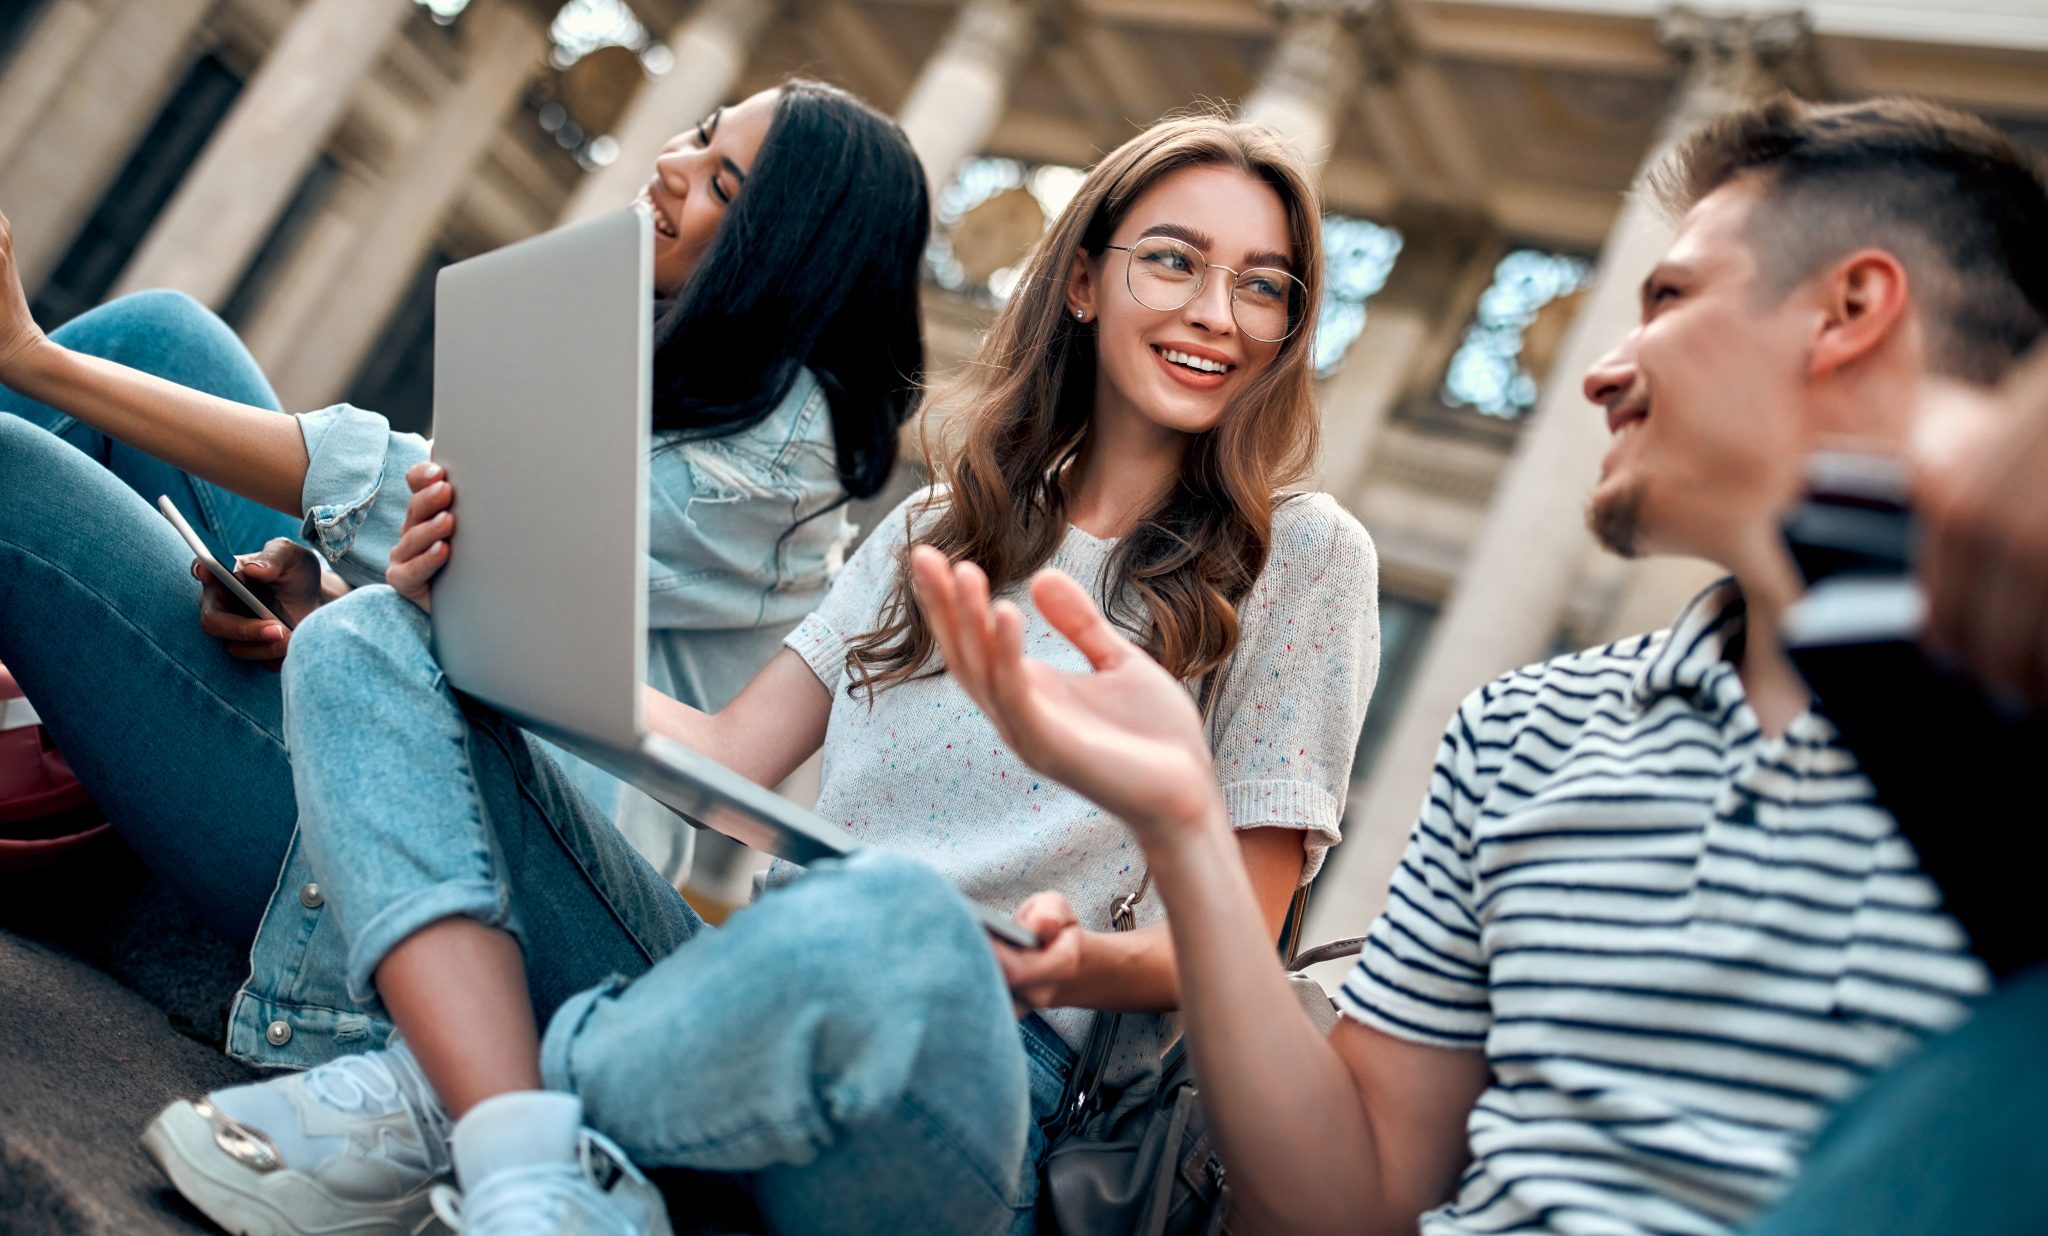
237 587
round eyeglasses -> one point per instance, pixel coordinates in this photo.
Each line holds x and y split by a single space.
1165 274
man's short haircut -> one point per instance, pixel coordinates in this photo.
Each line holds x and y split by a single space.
1962 206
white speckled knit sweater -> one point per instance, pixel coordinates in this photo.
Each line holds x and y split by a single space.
922 770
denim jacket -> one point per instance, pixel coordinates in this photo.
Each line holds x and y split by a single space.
724 585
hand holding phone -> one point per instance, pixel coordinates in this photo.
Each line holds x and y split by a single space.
257 606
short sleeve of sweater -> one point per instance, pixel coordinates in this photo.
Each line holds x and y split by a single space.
1294 697
1422 975
853 603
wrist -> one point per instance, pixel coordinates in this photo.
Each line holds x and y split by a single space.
1182 822
27 369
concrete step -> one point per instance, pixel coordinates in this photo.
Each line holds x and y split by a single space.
85 1063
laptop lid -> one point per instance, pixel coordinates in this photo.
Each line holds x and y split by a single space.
543 374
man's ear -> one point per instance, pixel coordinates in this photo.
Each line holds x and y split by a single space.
1081 287
1865 301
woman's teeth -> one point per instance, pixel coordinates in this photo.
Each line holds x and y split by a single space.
1202 363
661 223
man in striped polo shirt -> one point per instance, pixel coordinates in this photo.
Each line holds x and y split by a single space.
1651 925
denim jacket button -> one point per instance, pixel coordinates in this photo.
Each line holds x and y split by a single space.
278 1033
310 897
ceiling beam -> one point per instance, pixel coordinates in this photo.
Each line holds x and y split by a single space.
1240 17
851 40
1564 216
1039 138
1545 38
2003 81
1138 90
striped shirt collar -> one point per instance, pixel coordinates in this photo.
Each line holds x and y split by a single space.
1693 658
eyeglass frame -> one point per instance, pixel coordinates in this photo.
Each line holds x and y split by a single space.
1131 250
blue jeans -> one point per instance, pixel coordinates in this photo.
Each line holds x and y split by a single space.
180 744
847 1042
1946 1141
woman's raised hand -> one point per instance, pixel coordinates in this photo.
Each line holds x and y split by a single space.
423 545
1126 736
19 334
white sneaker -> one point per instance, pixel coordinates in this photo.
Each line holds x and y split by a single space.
354 1146
529 1168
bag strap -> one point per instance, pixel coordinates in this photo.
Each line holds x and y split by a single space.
1350 946
1082 1099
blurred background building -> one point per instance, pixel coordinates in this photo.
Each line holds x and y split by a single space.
306 166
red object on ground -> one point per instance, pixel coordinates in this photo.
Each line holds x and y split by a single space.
45 814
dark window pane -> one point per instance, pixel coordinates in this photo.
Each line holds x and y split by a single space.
139 193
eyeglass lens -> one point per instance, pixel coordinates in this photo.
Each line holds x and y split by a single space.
1166 273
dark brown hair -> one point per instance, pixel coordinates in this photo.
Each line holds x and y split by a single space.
1024 407
1962 206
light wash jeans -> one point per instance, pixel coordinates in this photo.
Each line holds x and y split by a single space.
179 743
846 1042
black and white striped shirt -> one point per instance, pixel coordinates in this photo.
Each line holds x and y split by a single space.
1677 940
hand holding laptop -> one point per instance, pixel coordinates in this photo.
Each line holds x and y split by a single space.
427 537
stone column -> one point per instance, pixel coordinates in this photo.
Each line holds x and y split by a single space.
247 173
505 50
41 66
297 314
1509 599
710 50
1316 63
90 121
959 94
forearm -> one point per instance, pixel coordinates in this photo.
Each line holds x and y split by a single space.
765 733
252 451
693 727
1286 1112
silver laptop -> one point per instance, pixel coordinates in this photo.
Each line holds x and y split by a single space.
543 373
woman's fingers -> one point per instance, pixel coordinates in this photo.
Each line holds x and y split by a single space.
412 575
220 616
1072 612
421 537
1009 688
931 579
971 589
1046 914
428 502
423 474
245 638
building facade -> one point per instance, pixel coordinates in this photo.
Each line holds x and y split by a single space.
306 166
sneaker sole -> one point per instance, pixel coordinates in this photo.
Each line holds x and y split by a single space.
246 1202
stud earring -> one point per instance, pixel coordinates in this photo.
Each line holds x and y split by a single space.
1080 315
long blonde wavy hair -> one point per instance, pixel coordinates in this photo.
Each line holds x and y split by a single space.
1024 412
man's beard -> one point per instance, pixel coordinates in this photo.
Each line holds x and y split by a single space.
1616 519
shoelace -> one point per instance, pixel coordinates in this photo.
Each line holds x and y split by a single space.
353 1083
528 1202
